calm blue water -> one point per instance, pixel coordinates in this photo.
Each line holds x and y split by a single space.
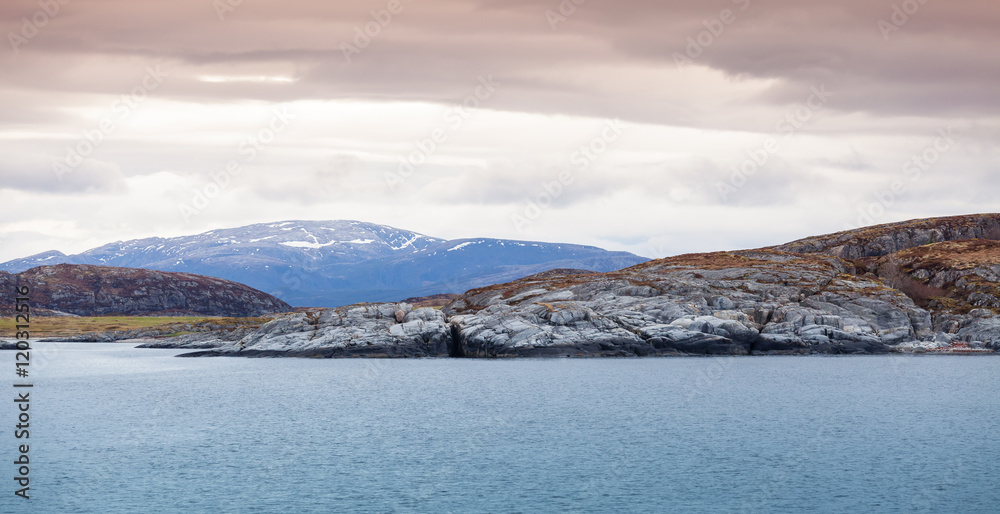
117 429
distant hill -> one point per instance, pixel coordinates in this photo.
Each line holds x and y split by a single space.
87 290
331 263
879 240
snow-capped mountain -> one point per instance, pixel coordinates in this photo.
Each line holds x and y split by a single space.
329 263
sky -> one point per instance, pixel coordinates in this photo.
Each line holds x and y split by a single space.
656 127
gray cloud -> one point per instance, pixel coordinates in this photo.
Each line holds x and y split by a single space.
605 60
934 65
35 173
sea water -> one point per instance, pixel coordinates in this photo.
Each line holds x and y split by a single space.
120 429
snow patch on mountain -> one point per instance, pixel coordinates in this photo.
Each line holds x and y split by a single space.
317 244
407 243
463 245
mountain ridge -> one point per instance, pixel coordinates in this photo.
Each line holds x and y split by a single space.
338 262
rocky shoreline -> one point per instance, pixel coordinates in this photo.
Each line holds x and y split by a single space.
903 287
570 314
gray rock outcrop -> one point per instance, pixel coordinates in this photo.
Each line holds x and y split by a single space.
894 237
918 286
737 303
366 330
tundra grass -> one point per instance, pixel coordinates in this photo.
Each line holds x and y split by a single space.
68 326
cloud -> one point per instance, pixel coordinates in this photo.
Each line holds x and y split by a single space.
933 65
35 173
357 117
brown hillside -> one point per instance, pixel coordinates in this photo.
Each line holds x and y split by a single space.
87 290
880 240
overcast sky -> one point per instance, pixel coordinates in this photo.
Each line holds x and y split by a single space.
612 123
